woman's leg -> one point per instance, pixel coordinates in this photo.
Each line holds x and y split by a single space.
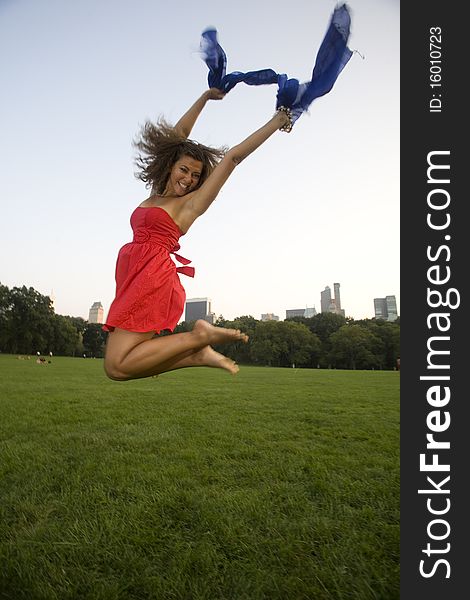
131 355
206 357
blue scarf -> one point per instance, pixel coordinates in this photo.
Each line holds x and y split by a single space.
331 59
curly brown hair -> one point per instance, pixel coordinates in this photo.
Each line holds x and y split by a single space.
160 147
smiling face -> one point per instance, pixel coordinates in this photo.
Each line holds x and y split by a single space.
184 176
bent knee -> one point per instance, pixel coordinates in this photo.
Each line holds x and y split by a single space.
114 372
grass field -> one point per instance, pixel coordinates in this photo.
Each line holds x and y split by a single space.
276 484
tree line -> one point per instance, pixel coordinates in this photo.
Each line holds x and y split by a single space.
326 341
29 324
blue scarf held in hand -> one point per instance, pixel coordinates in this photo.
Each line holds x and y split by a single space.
331 59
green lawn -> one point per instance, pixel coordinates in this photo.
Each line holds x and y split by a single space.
276 484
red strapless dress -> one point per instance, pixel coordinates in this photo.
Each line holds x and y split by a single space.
149 294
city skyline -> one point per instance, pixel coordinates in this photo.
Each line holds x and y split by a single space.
383 308
203 309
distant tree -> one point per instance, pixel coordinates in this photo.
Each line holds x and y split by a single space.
303 346
5 307
389 333
323 325
239 351
267 345
28 324
79 323
304 320
79 349
27 321
65 338
284 343
79 326
245 323
94 339
354 347
4 298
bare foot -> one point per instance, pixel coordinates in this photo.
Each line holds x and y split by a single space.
218 335
208 357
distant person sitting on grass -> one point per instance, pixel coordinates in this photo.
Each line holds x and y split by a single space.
185 178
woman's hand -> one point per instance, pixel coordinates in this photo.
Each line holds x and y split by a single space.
186 123
215 94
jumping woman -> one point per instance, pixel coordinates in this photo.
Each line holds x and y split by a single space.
185 178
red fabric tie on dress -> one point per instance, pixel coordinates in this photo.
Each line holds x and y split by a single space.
189 271
149 293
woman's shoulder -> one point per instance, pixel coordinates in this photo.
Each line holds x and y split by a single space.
150 202
159 201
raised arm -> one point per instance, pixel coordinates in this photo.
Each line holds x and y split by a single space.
187 121
200 200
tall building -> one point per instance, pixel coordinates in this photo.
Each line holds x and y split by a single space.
199 308
300 312
269 317
392 312
329 304
386 308
325 300
295 312
96 314
337 297
380 308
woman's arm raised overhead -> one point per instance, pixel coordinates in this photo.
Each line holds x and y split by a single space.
199 201
185 125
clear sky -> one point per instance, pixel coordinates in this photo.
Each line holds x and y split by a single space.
317 206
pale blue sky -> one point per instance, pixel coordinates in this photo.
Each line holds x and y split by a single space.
310 208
